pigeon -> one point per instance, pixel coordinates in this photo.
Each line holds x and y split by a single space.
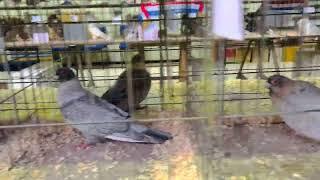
133 29
34 2
307 28
55 23
299 104
141 84
94 28
78 106
11 27
67 3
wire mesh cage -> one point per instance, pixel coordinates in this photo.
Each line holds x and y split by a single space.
155 63
141 57
272 51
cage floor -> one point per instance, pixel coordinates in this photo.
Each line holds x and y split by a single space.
243 152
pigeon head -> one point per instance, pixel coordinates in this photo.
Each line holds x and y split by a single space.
65 74
137 59
138 62
278 81
279 85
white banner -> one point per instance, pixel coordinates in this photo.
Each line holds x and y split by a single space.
228 19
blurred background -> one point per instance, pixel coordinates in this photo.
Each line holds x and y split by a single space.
208 91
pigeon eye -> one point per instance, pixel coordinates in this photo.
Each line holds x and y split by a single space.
302 89
275 82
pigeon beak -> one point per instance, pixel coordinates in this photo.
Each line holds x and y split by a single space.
55 78
267 85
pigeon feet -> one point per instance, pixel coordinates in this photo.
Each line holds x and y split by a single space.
262 76
84 146
241 76
141 107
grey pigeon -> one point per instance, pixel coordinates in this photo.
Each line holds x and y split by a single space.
300 103
80 106
141 84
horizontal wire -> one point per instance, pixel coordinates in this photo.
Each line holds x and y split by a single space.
22 51
154 119
91 123
165 79
274 71
211 70
102 21
230 44
176 42
131 20
152 104
190 75
265 70
100 5
271 113
152 97
14 94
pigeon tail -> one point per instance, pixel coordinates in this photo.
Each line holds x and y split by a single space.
127 138
158 134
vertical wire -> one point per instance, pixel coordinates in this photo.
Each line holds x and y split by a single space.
87 57
129 84
10 78
81 50
42 65
217 131
53 61
129 78
261 42
80 53
188 53
4 60
163 32
33 89
103 52
301 42
163 47
18 55
168 64
208 109
221 76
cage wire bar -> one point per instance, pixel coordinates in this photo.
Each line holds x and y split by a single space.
163 35
72 55
81 67
75 56
31 91
79 64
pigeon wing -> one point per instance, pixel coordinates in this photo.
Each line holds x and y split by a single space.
117 93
